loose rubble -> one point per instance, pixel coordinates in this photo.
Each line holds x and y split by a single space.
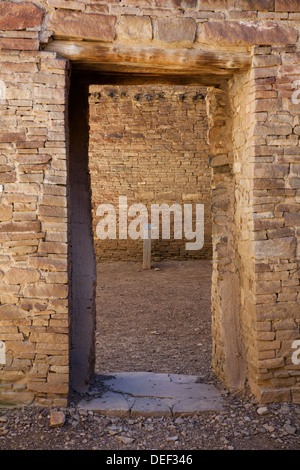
240 426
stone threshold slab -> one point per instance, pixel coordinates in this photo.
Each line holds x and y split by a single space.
135 394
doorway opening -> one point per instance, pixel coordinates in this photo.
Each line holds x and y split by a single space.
220 238
148 144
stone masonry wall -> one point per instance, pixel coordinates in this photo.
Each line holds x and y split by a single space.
247 54
34 320
276 219
149 144
228 360
241 97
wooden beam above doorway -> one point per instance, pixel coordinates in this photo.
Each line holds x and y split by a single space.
116 58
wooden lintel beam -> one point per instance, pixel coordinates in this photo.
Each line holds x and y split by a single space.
138 59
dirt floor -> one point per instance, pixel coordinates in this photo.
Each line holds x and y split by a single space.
159 321
156 320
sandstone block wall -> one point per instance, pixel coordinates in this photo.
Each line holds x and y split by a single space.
34 320
149 144
247 55
275 205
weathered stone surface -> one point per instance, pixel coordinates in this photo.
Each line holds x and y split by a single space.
54 338
216 4
125 439
296 395
16 397
49 95
82 25
12 376
266 60
260 33
149 394
287 5
20 226
67 4
5 213
135 27
12 312
44 387
111 403
150 406
272 129
57 419
48 263
19 44
21 276
269 395
17 16
58 377
294 182
52 211
9 177
283 248
162 3
48 291
270 170
291 219
271 224
175 30
266 104
12 137
268 287
196 405
255 5
33 159
53 247
49 200
20 198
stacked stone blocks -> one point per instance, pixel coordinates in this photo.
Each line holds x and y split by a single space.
255 177
149 143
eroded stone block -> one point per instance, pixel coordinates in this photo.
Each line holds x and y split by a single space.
287 5
175 30
135 27
162 3
21 276
260 33
18 16
283 248
253 5
79 25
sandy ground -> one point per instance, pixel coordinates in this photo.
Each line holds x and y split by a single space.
154 320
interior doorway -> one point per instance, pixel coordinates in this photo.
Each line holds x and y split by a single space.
227 354
148 144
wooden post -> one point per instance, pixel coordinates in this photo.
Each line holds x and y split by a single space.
147 247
